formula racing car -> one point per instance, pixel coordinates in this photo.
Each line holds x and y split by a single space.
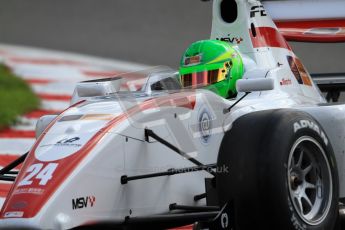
241 137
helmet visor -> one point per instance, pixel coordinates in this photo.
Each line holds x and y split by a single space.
203 78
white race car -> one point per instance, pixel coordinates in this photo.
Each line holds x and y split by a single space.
161 156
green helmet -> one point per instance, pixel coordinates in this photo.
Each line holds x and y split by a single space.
212 64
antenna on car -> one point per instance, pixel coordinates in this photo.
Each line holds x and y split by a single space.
233 105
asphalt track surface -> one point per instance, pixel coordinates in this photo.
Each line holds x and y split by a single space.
144 31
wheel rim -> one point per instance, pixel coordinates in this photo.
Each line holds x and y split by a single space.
310 180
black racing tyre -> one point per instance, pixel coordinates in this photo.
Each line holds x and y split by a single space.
278 170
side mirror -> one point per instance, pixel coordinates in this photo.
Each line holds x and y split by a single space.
97 87
252 85
42 124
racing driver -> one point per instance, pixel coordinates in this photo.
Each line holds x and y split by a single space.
213 65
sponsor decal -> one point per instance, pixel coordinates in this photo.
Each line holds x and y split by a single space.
298 70
257 11
205 126
311 125
296 223
83 202
57 147
224 220
13 214
65 142
232 40
193 60
285 82
35 191
19 205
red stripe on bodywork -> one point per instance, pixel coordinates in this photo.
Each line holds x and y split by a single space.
173 100
101 73
305 31
4 189
54 97
12 133
268 37
69 163
29 161
5 159
109 74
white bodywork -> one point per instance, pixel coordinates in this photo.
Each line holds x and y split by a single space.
91 145
308 9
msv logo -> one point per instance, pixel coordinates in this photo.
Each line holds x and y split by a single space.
83 202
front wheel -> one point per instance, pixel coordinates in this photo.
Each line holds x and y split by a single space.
282 172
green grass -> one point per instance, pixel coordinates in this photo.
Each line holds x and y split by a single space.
16 97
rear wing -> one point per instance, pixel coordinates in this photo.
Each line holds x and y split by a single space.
330 83
309 21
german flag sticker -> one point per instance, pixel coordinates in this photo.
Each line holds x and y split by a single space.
192 60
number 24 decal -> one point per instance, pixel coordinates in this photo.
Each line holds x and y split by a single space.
38 171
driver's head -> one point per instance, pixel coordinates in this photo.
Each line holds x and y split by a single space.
211 64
